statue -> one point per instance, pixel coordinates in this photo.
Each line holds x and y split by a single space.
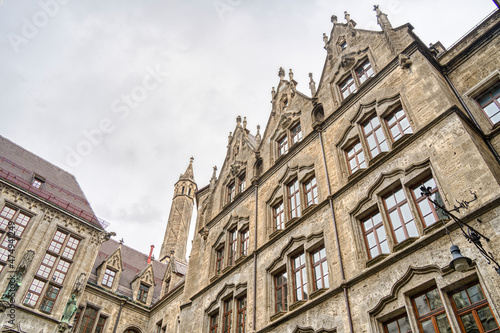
70 309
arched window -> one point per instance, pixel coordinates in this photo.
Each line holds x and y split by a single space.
131 330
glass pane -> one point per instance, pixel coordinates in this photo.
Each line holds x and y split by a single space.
390 202
394 216
491 109
443 324
400 235
385 247
427 326
434 299
377 218
411 229
395 132
404 325
392 327
461 300
381 234
374 252
475 293
421 304
469 323
425 207
371 239
487 319
405 211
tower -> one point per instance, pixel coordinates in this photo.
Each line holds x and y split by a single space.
176 233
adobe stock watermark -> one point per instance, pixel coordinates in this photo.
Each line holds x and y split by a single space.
224 6
122 107
30 27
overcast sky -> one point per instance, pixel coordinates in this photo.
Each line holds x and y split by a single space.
123 93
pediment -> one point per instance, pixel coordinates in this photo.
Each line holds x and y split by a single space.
115 260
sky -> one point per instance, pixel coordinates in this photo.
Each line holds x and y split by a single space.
122 93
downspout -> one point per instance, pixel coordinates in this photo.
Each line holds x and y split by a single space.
255 257
118 317
469 113
342 274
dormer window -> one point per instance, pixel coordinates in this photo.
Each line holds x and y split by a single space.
364 71
347 86
293 135
37 181
109 277
356 78
142 296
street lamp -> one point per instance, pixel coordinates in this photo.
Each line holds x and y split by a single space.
459 262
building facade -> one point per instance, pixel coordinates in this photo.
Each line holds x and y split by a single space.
316 225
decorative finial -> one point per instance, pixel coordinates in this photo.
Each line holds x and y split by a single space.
334 19
121 241
191 159
229 137
238 121
273 92
347 16
281 73
244 122
290 74
312 84
325 39
258 129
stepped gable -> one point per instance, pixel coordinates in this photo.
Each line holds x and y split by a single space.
20 167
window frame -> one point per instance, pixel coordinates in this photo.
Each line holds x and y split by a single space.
281 289
232 247
325 283
313 190
432 314
219 260
293 198
375 133
397 123
295 133
365 71
397 207
10 225
396 319
242 314
283 145
374 229
494 100
143 292
109 276
278 210
359 165
227 311
299 287
84 325
244 241
213 322
231 191
417 200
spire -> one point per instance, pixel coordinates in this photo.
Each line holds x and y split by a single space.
258 139
214 178
312 85
188 175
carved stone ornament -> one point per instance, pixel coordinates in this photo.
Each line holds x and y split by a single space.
69 310
15 281
347 61
26 261
105 236
62 327
404 61
79 284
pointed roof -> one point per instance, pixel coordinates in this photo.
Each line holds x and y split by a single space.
189 174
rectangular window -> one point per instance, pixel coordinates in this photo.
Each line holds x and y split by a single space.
430 312
226 320
142 296
233 240
296 133
293 199
281 291
158 327
426 209
347 86
231 191
375 236
34 292
283 145
214 323
400 216
219 265
320 268
398 325
299 277
108 278
374 136
398 124
473 311
88 320
242 314
241 183
49 299
19 221
355 157
279 216
490 103
364 71
100 324
244 239
311 192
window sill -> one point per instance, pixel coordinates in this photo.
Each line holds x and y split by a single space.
296 305
355 174
225 269
291 221
318 292
376 158
311 206
215 277
377 259
438 224
404 244
277 315
403 138
275 233
240 259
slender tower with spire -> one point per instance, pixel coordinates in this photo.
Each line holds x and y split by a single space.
179 220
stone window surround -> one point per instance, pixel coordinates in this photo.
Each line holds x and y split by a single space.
352 72
476 91
228 292
285 130
284 263
99 314
280 193
381 108
374 202
235 183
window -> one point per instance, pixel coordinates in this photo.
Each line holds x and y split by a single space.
296 134
473 311
279 216
490 103
426 208
88 320
213 323
231 191
52 271
355 157
244 239
283 145
430 312
158 327
281 291
364 71
226 324
400 216
241 183
293 199
398 325
299 277
347 86
13 222
108 278
242 314
220 260
142 296
100 325
320 268
398 124
375 236
374 136
37 183
311 192
232 247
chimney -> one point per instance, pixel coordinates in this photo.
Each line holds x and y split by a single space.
150 254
